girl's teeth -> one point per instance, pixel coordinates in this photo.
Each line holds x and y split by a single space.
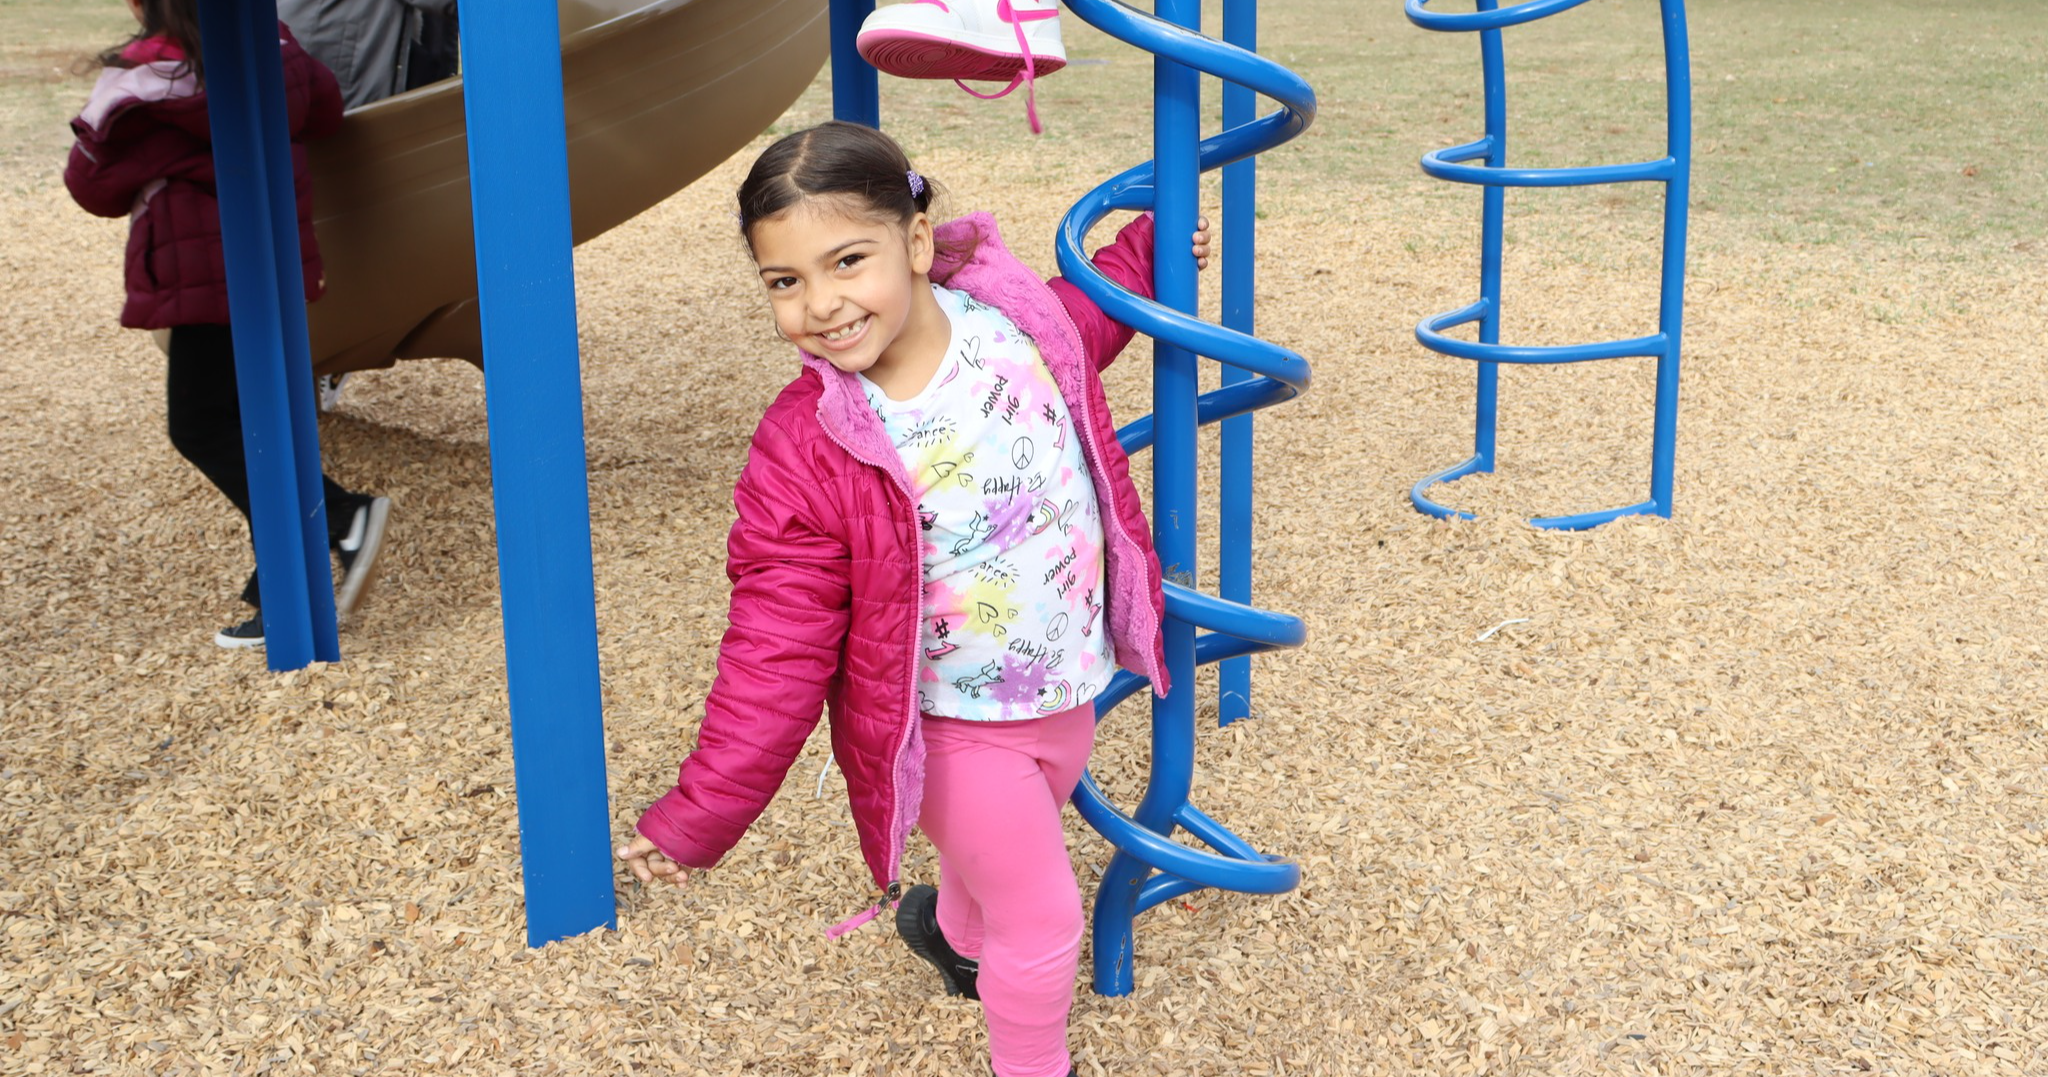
842 334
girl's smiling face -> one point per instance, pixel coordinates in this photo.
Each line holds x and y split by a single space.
852 290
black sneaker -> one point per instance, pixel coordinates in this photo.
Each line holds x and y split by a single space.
358 549
917 920
247 634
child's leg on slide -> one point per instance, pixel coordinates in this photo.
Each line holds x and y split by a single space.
992 807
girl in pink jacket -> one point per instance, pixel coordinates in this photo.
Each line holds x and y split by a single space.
938 541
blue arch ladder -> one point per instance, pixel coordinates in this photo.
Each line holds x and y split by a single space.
1149 867
1494 176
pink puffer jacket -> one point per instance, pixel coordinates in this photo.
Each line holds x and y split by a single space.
826 575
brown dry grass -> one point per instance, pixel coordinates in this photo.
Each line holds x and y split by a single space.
1761 789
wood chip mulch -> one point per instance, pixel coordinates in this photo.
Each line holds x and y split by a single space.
1759 789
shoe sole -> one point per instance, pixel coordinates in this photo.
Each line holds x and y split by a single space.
363 573
910 55
235 643
912 933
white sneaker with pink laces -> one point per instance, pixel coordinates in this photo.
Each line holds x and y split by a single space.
1012 41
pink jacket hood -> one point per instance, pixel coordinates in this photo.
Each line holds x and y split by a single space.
825 611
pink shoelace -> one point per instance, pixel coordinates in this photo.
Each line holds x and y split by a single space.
1029 76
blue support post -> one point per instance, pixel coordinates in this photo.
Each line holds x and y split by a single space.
1240 273
1677 202
266 293
1176 129
856 97
519 191
1494 177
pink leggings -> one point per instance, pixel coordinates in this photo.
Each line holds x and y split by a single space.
992 798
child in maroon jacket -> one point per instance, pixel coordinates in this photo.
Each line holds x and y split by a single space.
145 151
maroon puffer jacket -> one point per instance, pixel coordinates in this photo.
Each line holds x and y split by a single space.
826 573
145 151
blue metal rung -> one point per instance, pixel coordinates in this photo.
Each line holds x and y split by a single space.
1443 164
1493 176
1428 332
1486 18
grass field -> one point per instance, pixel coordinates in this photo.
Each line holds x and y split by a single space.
1760 790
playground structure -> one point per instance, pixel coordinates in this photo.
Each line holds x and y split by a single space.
393 213
516 135
1149 867
524 228
1471 835
1674 170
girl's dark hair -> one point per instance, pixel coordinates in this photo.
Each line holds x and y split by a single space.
848 160
174 19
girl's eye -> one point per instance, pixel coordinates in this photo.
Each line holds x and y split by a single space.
781 283
850 261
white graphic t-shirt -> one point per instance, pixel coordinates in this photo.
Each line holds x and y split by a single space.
1012 536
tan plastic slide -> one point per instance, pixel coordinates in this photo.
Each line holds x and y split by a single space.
657 93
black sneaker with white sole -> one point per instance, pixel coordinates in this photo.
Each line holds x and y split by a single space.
358 548
247 634
917 920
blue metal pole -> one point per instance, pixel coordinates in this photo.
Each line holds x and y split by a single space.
1176 134
1677 196
855 96
1485 420
1240 257
519 192
260 246
298 355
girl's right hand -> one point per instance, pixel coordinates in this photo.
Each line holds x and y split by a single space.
647 864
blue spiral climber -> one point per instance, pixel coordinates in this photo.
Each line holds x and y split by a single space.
1673 170
1149 867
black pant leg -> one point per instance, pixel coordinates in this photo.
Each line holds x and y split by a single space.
205 409
205 420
